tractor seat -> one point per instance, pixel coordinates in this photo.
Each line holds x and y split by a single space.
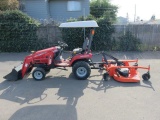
123 71
81 50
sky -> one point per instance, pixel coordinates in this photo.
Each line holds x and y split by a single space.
144 8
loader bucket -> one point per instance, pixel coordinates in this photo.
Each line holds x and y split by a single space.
15 74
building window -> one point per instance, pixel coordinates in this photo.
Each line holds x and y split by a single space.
74 6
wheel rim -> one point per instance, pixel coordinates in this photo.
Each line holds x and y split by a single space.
38 75
81 71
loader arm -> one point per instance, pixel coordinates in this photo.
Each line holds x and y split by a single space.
21 70
27 65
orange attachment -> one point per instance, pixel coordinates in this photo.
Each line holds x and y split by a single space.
133 75
130 78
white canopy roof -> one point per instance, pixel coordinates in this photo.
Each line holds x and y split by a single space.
79 24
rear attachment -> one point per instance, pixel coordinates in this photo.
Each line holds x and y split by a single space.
16 74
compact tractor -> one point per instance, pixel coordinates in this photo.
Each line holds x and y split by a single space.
50 58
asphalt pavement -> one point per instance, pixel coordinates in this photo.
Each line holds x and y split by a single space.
61 97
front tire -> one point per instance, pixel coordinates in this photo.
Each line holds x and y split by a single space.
81 70
39 74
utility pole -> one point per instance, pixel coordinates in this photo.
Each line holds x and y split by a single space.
84 11
135 14
127 17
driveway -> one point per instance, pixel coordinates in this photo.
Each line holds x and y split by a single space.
61 97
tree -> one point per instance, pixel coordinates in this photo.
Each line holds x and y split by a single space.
153 17
8 5
103 8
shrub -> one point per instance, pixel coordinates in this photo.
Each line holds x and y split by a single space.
128 42
103 35
73 37
18 32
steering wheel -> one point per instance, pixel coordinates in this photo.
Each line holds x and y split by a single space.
62 44
119 63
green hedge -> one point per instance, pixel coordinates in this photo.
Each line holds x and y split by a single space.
103 35
18 32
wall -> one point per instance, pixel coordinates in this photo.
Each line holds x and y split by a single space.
36 8
58 10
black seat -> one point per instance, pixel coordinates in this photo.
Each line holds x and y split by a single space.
123 71
85 44
83 49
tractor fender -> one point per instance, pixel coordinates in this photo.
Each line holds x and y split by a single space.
80 57
86 60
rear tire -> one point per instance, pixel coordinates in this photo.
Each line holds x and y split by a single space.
39 74
81 70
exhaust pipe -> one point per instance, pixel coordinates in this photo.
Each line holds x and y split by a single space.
15 74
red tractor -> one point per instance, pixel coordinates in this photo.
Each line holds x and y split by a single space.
50 58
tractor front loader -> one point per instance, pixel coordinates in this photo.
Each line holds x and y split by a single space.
21 70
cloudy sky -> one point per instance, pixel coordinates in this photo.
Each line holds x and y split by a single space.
144 8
